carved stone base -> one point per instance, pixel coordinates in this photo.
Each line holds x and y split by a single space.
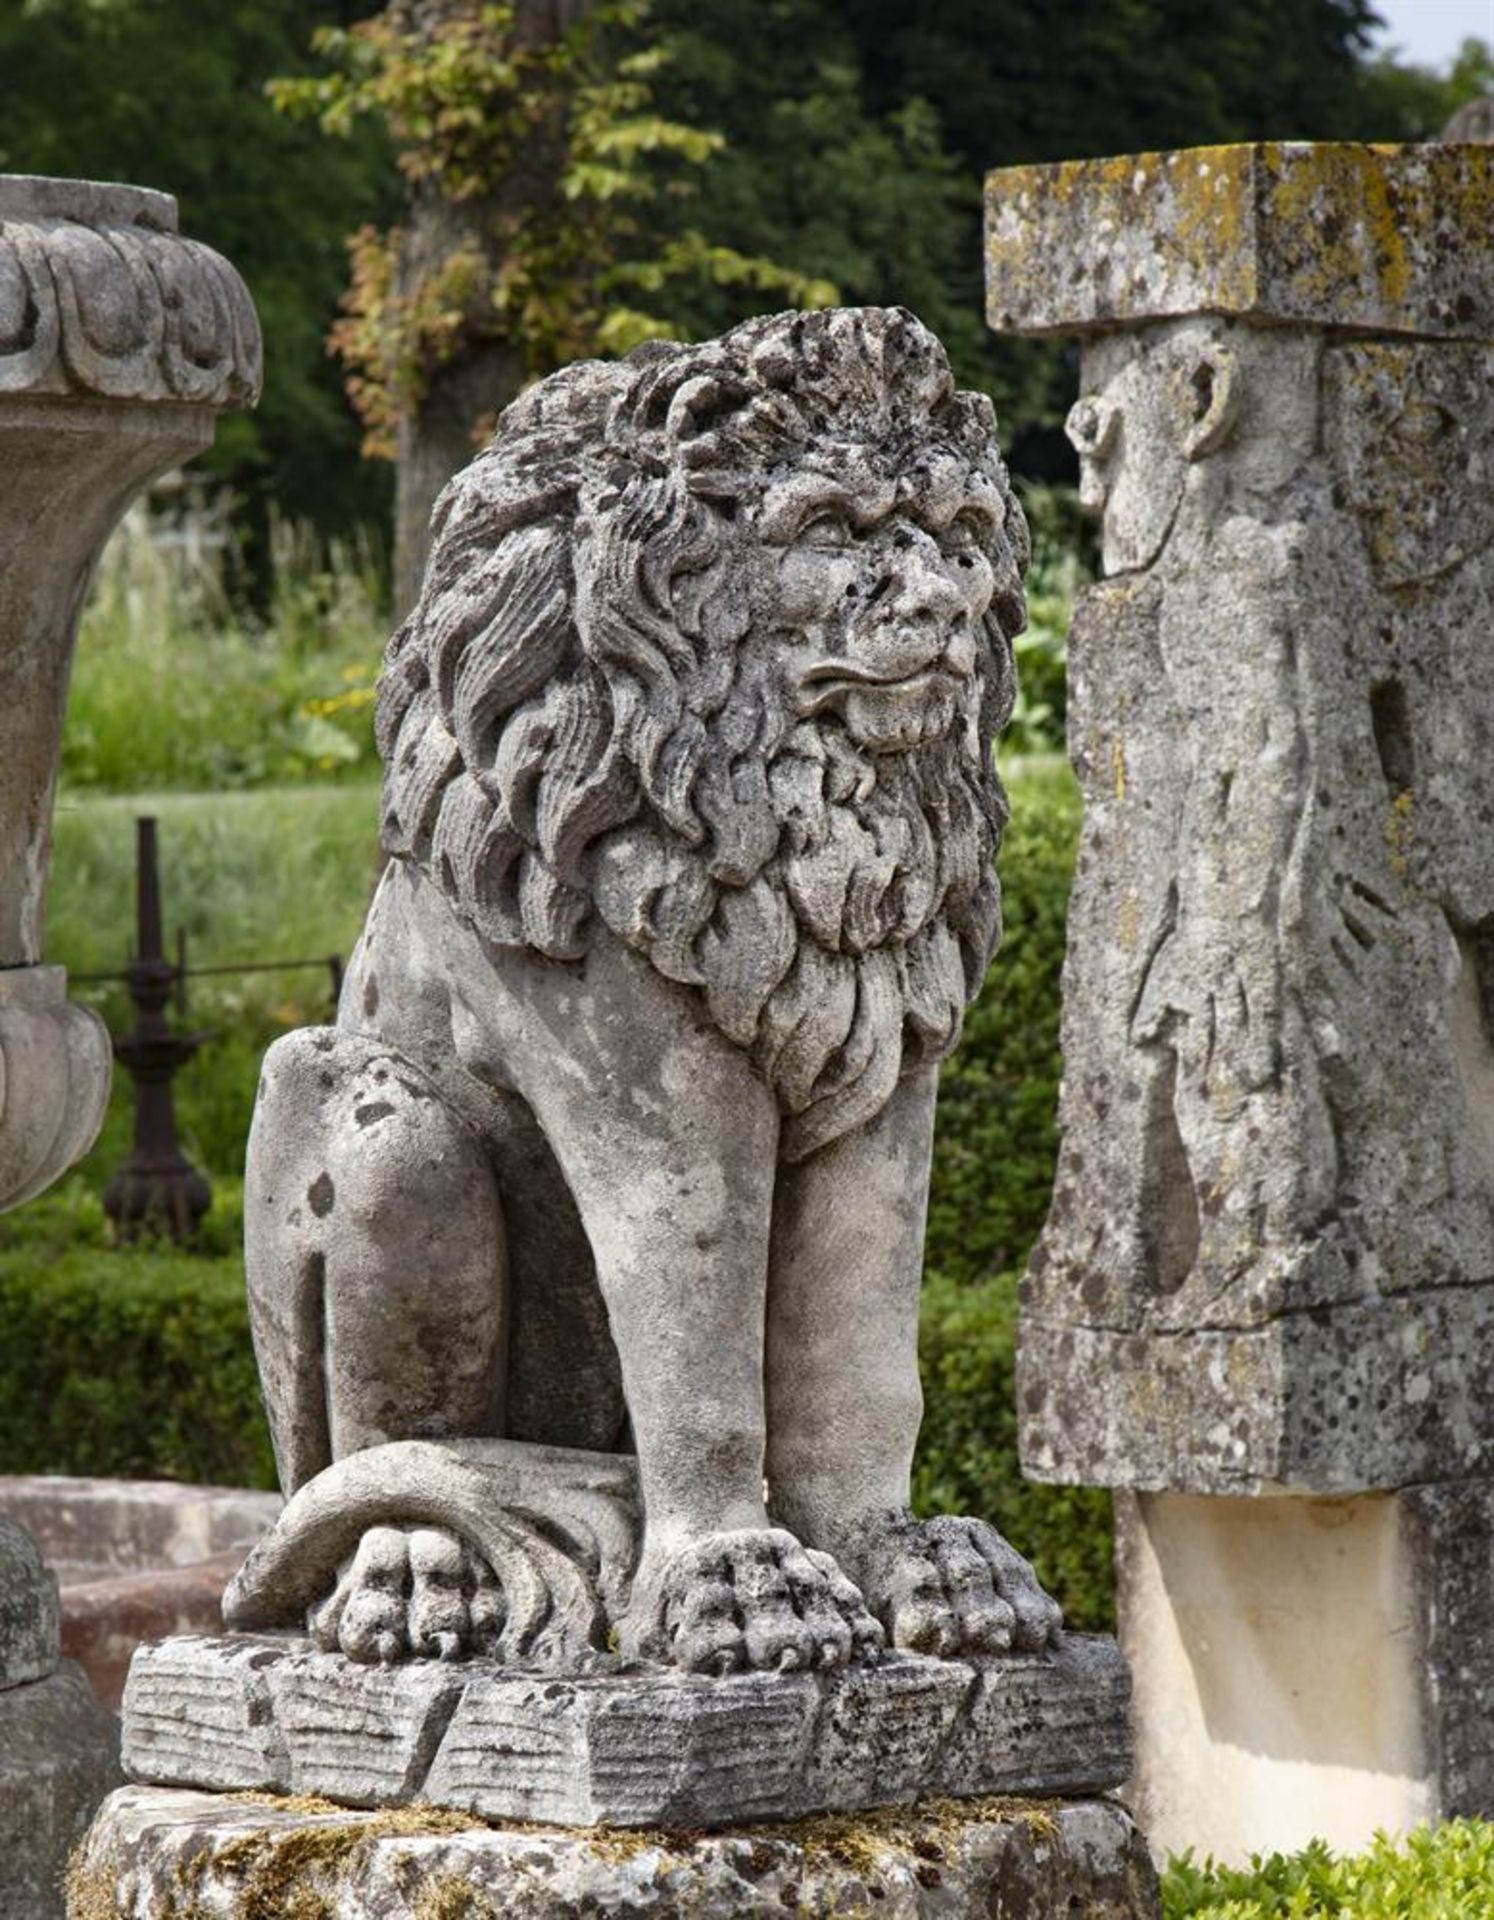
624 1748
154 1851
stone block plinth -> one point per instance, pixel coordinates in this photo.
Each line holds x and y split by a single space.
1268 1269
624 1748
154 1849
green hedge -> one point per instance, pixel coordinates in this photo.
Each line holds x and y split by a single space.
131 1363
1436 1873
997 1138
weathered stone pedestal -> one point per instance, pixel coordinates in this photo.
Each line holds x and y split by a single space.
1264 1298
119 340
57 1745
152 1847
419 1790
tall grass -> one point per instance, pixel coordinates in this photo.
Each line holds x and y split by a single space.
179 684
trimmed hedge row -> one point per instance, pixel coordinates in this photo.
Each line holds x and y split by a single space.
1435 1873
138 1362
132 1364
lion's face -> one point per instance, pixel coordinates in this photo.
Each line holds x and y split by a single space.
711 651
883 589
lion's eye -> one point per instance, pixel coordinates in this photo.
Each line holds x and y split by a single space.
826 530
965 531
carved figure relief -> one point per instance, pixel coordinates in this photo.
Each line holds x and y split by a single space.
595 1224
1275 855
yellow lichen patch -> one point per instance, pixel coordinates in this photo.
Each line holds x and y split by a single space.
899 1837
1334 220
1210 217
450 1898
90 1891
1398 829
1118 766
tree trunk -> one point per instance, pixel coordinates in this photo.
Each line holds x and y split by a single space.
436 439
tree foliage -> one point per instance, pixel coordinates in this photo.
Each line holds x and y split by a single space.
842 140
170 94
560 271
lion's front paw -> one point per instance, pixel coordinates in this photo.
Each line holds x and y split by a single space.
421 1594
949 1586
748 1599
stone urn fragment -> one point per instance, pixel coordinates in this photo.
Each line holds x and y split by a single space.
119 341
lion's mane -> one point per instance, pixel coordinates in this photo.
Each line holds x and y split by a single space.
577 718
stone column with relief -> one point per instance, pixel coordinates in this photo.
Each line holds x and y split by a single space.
1262 1305
119 340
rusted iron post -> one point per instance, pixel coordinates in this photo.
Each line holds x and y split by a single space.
157 1188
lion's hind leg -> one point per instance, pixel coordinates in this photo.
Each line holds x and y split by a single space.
377 1278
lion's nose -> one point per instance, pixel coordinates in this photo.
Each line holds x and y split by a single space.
922 589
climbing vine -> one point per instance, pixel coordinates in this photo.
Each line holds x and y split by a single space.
547 157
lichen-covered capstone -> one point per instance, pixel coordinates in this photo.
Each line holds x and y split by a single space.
1382 239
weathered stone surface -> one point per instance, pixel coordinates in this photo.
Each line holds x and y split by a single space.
118 338
91 1528
135 1560
1449 1542
54 1078
1380 238
1308 1667
691 813
29 1626
1272 1232
58 1759
625 1747
153 1845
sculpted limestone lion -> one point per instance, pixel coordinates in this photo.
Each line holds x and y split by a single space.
621 1140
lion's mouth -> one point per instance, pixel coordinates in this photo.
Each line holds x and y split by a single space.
885 713
831 682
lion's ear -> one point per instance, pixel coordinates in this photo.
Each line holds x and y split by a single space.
1210 391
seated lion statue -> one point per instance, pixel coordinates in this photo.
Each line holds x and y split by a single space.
621 1139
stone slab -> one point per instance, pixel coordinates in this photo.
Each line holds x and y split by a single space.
135 1560
94 1528
29 1619
1341 1399
152 1848
627 1748
1391 239
58 1759
36 196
